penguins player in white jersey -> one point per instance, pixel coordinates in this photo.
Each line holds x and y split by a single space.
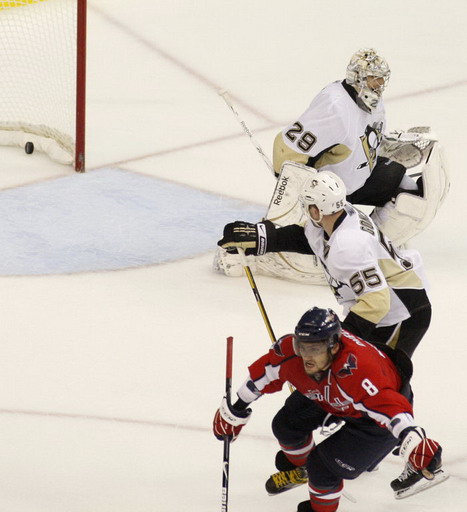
344 131
381 289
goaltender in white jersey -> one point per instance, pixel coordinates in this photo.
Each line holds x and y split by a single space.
347 140
381 289
343 131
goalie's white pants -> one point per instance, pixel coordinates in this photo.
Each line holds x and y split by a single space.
409 214
302 268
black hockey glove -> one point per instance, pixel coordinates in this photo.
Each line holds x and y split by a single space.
252 238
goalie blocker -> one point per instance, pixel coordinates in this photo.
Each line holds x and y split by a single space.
409 214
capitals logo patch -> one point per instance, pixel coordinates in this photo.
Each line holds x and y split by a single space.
349 365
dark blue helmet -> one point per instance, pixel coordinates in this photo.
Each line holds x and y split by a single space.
318 325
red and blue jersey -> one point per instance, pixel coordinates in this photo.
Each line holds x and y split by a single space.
362 381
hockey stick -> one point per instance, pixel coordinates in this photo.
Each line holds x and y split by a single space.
228 101
227 439
255 291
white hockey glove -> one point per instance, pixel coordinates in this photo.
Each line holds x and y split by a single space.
423 453
229 421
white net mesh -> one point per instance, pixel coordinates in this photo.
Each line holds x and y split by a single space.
38 40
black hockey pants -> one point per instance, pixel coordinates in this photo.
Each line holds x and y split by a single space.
408 334
357 446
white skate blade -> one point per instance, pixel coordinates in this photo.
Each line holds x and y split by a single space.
422 485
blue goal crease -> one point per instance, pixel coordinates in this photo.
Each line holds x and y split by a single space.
107 220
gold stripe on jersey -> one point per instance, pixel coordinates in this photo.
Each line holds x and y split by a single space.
395 338
281 152
397 277
373 306
335 155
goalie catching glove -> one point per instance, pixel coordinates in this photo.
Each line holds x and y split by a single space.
408 148
252 238
421 452
413 135
229 421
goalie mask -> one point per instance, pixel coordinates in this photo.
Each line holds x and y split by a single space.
368 73
318 330
326 191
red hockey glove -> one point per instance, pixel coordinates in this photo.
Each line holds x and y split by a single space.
228 421
422 453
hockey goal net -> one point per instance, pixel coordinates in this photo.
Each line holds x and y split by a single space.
42 80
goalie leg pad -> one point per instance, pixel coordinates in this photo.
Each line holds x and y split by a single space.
302 268
409 215
284 208
230 264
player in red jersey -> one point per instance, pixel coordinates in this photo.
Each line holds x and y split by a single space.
337 375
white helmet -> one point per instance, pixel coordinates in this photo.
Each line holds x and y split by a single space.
326 191
363 64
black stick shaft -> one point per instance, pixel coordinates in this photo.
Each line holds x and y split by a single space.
226 456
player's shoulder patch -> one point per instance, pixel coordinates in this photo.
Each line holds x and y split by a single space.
348 367
283 347
366 354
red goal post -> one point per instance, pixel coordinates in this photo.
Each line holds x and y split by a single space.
43 77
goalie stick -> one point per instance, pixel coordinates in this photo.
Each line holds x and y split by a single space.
226 455
228 101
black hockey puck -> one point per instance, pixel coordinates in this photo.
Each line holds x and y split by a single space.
29 147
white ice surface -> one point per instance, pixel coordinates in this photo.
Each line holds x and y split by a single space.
109 379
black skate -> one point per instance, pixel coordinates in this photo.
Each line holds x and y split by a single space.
285 480
412 481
